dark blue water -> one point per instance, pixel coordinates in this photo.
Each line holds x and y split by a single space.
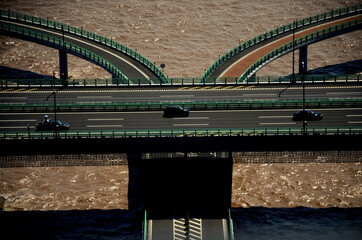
249 224
298 223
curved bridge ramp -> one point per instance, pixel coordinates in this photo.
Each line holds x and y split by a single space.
246 59
116 58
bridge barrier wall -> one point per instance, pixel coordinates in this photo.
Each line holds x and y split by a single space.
350 10
224 142
298 43
7 14
181 82
178 133
232 104
240 157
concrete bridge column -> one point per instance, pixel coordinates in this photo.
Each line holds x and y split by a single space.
303 60
63 66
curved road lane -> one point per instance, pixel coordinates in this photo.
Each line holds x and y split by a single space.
238 64
127 65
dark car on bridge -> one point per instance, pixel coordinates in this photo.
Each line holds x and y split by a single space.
307 115
52 125
175 111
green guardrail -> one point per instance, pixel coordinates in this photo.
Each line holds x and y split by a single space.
177 82
231 226
7 14
302 41
278 31
145 227
221 132
199 105
69 47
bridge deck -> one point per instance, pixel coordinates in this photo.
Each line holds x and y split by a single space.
238 64
129 66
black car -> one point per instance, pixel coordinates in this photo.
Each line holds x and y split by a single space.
307 115
51 125
175 111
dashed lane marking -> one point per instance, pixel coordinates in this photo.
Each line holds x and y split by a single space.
16 90
217 88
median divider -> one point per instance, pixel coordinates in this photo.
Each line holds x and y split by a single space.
195 105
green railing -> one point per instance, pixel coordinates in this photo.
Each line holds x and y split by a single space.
145 227
181 82
231 225
220 132
6 14
278 31
195 105
307 39
68 47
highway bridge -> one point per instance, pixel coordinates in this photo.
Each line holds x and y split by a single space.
173 206
198 119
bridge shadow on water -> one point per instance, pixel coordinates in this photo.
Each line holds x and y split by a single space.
14 73
249 223
352 67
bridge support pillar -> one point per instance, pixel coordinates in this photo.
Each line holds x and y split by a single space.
63 67
303 60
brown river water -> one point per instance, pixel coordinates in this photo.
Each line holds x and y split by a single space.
187 36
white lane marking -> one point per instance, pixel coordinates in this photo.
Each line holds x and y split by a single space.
358 122
190 124
191 118
182 90
343 93
177 96
18 120
94 96
87 43
286 123
274 117
9 103
17 127
358 115
159 112
105 119
149 229
2 98
91 102
225 227
278 110
258 94
98 126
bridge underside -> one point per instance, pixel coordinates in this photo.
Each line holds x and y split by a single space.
185 195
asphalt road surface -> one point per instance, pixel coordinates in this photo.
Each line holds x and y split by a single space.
196 120
180 94
164 229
